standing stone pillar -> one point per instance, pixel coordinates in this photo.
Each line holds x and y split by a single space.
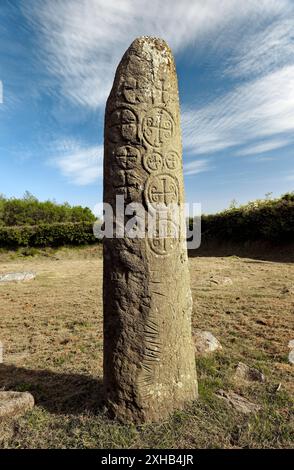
149 360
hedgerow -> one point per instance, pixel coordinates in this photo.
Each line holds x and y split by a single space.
44 235
30 211
265 219
269 219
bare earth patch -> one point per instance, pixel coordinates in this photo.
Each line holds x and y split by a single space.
51 329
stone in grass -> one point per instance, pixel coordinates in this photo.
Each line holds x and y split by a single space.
291 353
291 356
238 402
15 403
10 277
205 342
225 281
244 372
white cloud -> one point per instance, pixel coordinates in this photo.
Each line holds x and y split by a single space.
263 147
82 165
261 108
83 40
80 43
264 159
267 50
196 166
290 177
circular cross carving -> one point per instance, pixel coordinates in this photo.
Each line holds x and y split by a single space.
162 246
158 127
162 188
133 89
165 236
127 156
172 160
153 161
122 125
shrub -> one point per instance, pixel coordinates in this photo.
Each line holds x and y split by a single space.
30 211
47 235
271 220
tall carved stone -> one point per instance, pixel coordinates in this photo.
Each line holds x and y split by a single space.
149 360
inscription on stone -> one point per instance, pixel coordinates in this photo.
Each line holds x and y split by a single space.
123 126
153 161
158 127
162 189
172 161
127 157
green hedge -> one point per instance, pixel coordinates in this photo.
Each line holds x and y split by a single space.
30 211
271 220
47 235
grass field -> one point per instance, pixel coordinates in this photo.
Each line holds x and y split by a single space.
51 328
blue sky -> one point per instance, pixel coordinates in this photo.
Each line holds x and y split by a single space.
235 63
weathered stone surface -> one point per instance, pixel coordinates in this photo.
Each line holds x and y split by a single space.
15 403
238 402
149 360
291 353
291 356
225 281
1 352
244 372
205 342
10 277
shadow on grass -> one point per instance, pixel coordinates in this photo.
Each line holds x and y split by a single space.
57 392
259 250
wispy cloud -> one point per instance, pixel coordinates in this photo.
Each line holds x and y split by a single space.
264 159
263 147
82 165
196 166
83 40
261 108
267 50
80 43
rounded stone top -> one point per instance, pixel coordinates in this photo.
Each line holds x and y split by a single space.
152 49
151 42
146 67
